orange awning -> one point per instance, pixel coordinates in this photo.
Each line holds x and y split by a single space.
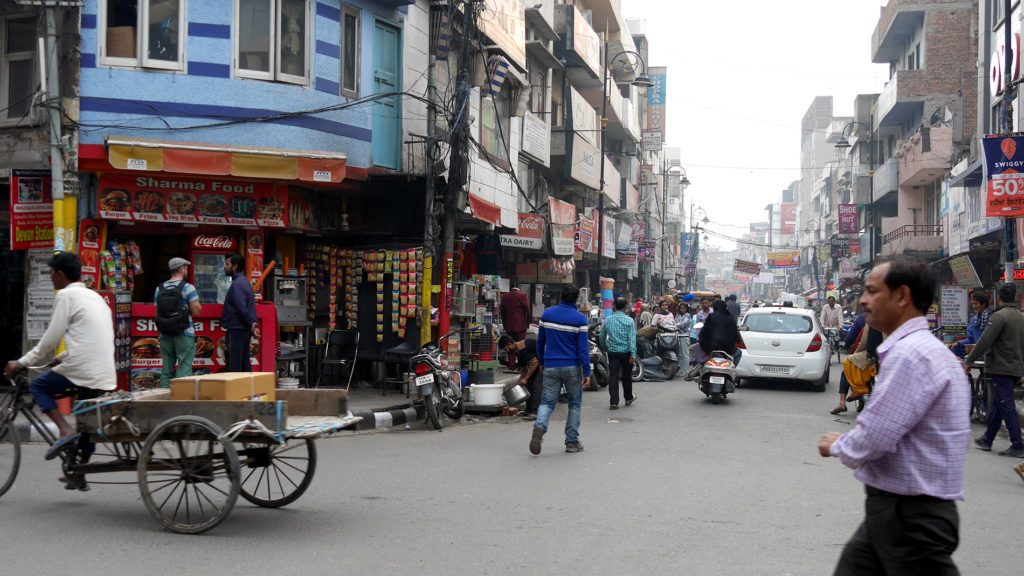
484 210
222 160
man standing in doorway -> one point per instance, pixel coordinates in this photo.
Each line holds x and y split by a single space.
1002 340
176 302
239 316
618 337
515 317
910 443
564 355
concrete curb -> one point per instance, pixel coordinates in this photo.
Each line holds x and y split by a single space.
389 417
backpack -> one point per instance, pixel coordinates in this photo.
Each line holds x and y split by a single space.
171 310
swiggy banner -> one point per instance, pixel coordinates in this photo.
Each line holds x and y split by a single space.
1004 172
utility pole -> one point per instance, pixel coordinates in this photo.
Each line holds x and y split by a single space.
428 201
1009 232
458 165
63 237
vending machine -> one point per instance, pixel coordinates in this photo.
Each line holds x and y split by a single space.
208 255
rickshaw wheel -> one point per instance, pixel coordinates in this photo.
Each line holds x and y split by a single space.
274 475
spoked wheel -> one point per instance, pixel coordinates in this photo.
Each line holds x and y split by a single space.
432 403
10 456
982 395
277 474
188 477
638 371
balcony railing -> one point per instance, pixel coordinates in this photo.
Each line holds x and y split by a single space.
913 230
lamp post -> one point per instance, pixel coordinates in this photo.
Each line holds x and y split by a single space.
641 81
695 230
683 183
844 144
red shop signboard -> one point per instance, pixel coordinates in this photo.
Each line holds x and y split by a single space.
163 198
31 210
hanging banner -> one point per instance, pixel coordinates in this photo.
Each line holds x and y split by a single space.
584 238
608 237
788 219
166 198
848 223
1004 173
638 232
786 259
654 135
563 227
746 269
645 251
31 209
531 228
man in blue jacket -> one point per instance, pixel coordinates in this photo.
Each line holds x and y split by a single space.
564 355
239 316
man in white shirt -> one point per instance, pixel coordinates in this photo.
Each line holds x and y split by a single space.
84 321
831 315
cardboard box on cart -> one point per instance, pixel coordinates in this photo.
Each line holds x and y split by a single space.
257 386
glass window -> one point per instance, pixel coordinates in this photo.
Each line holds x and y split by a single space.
17 68
494 124
778 323
272 40
350 52
144 33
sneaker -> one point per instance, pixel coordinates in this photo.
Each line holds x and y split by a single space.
536 439
1013 452
613 407
985 445
573 447
631 400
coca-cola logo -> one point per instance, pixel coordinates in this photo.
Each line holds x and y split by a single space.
530 225
214 242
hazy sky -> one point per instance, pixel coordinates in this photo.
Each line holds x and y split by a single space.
741 75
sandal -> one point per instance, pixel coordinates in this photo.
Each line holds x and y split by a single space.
60 445
839 409
1019 469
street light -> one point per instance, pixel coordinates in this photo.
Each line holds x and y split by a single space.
683 183
842 145
641 81
691 279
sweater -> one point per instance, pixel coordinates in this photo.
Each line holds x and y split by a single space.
562 338
1001 342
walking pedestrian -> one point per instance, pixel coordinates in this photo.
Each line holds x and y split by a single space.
525 352
1001 344
910 443
564 355
515 317
176 302
618 337
732 306
683 321
239 316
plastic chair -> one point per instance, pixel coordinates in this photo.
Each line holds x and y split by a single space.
341 349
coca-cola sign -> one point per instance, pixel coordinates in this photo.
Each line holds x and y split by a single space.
210 242
531 227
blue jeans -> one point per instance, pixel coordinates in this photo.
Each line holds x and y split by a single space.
1003 411
554 378
684 353
48 385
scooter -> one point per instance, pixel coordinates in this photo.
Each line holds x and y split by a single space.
437 384
664 363
598 358
716 377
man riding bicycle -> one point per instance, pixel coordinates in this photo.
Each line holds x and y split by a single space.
831 318
84 321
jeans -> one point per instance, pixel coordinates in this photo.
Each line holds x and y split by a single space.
180 350
619 366
684 352
554 378
237 349
47 386
1003 410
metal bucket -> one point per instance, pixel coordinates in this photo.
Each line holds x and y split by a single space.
516 395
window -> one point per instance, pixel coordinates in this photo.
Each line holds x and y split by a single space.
142 33
494 125
349 51
272 40
17 68
778 323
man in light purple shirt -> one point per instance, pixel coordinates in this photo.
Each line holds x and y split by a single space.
910 443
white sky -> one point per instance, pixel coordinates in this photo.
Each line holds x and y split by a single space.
741 75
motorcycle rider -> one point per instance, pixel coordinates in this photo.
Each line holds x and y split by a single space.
720 332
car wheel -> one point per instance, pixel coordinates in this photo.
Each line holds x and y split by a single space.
819 385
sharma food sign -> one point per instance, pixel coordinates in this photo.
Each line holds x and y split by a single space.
1004 172
190 200
31 210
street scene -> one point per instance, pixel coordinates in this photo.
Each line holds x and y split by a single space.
492 286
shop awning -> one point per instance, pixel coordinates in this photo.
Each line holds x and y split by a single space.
484 210
225 160
971 176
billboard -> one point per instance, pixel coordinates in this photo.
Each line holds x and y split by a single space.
788 219
654 129
1004 174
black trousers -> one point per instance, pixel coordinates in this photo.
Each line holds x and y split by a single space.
903 535
533 385
618 362
237 349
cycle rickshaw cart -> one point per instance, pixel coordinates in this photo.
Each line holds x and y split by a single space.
192 458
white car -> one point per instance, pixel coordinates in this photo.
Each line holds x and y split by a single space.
784 343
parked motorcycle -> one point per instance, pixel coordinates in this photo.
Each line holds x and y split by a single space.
663 364
437 384
598 357
716 377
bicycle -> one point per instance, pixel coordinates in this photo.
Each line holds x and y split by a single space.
981 394
835 343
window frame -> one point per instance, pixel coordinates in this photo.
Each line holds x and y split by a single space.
142 59
30 117
349 10
274 74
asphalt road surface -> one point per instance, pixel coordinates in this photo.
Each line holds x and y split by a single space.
670 485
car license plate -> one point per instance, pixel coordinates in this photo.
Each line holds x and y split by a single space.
425 379
775 369
717 379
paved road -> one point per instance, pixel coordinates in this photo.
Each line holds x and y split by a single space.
672 484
